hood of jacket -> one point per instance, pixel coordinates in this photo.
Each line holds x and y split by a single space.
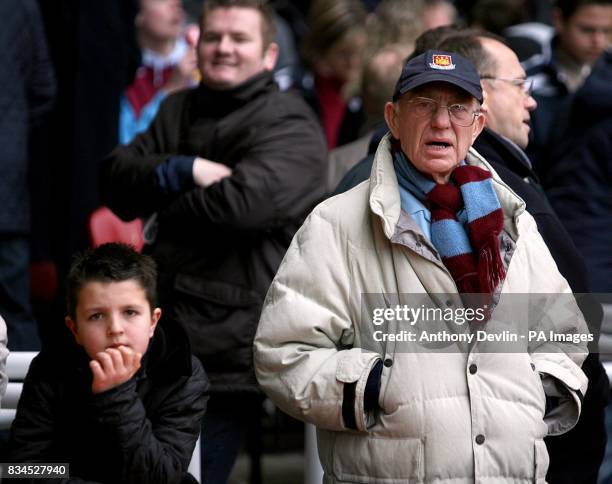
218 103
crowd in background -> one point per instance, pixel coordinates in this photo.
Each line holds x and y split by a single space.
79 78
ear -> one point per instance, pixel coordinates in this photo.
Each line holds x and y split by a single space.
73 328
391 119
270 56
478 127
155 315
484 107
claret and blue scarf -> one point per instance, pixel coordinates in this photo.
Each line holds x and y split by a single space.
468 245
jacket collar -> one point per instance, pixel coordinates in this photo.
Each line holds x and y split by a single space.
384 196
212 102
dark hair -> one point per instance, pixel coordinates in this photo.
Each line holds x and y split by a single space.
430 39
569 7
110 263
329 21
467 43
497 15
268 26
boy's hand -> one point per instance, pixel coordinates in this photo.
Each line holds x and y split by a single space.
112 367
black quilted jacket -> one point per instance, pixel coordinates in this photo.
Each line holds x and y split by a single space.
219 247
142 431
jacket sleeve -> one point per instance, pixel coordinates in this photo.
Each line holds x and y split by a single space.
129 184
305 351
32 430
279 178
554 310
159 448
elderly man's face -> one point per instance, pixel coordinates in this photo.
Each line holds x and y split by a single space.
231 49
435 144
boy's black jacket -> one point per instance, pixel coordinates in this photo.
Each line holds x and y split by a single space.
142 431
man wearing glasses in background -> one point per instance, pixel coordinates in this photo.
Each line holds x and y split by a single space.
575 457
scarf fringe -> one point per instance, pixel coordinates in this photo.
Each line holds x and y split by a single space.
490 266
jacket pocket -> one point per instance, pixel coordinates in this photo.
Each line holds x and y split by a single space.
539 389
541 462
220 319
364 458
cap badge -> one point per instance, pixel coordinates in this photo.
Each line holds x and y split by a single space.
441 61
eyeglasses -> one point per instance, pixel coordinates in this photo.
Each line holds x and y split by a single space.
459 114
525 84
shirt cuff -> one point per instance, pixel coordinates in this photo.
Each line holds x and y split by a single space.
175 174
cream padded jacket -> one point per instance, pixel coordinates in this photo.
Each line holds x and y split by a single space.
438 423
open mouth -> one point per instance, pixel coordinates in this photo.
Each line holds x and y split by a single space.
438 145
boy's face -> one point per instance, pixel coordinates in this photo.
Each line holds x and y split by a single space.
113 314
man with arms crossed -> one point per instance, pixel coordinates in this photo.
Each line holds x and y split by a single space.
231 169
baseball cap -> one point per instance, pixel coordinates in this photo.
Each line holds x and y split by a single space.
436 65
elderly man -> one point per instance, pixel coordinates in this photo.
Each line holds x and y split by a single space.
230 168
434 220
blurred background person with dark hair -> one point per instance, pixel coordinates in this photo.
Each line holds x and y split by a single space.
392 30
579 175
496 15
561 65
377 83
333 49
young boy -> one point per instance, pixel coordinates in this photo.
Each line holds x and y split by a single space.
123 404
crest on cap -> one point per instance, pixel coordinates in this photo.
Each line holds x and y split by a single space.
442 61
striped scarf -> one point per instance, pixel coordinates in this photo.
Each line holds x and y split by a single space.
468 244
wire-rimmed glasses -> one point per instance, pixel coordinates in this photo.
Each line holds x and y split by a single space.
459 114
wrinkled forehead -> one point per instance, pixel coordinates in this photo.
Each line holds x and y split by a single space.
440 91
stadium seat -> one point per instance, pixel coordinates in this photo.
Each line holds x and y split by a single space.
104 226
